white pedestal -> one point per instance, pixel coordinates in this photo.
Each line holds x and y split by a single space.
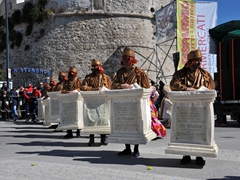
96 112
41 110
130 116
71 111
46 103
54 114
192 124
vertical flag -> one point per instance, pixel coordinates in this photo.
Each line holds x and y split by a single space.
194 19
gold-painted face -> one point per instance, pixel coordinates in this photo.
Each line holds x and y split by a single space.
72 69
196 54
95 62
128 52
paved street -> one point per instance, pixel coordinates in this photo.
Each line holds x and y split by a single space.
29 150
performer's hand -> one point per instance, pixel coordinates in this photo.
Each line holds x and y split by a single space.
191 89
126 86
99 88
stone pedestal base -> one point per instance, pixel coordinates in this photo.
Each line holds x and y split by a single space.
130 116
131 138
192 124
96 112
71 110
54 117
192 150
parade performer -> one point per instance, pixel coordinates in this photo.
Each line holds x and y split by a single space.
71 85
27 95
95 81
52 84
34 103
4 95
62 77
127 75
156 125
190 78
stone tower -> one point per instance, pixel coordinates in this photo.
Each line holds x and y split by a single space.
78 31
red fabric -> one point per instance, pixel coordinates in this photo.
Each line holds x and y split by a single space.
73 74
36 93
189 63
99 69
130 60
65 78
156 125
27 91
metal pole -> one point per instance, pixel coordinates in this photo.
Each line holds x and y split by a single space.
7 42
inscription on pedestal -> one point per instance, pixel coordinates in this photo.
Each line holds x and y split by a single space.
46 111
97 112
125 115
54 107
191 125
40 110
69 111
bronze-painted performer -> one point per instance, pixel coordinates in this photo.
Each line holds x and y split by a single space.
190 78
127 75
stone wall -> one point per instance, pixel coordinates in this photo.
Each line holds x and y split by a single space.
81 30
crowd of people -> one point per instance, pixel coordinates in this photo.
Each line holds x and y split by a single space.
24 102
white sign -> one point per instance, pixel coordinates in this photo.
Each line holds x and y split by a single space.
20 1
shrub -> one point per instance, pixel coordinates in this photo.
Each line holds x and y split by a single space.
15 17
18 39
29 29
42 3
36 15
26 12
2 21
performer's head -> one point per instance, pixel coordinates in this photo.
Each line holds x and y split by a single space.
62 76
46 86
154 94
72 72
96 67
52 82
128 57
194 59
29 85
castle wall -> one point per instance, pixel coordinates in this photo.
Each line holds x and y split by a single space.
81 30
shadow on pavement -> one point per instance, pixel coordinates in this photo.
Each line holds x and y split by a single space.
59 143
225 178
110 157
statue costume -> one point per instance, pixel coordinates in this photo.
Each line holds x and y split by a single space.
130 76
52 84
190 78
127 75
72 84
156 125
92 82
62 77
184 78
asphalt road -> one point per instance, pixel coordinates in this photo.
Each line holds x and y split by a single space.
30 151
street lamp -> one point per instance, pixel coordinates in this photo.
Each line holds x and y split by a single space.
7 43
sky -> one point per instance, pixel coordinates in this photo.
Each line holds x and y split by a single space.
228 10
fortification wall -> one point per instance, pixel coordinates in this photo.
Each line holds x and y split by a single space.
81 30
